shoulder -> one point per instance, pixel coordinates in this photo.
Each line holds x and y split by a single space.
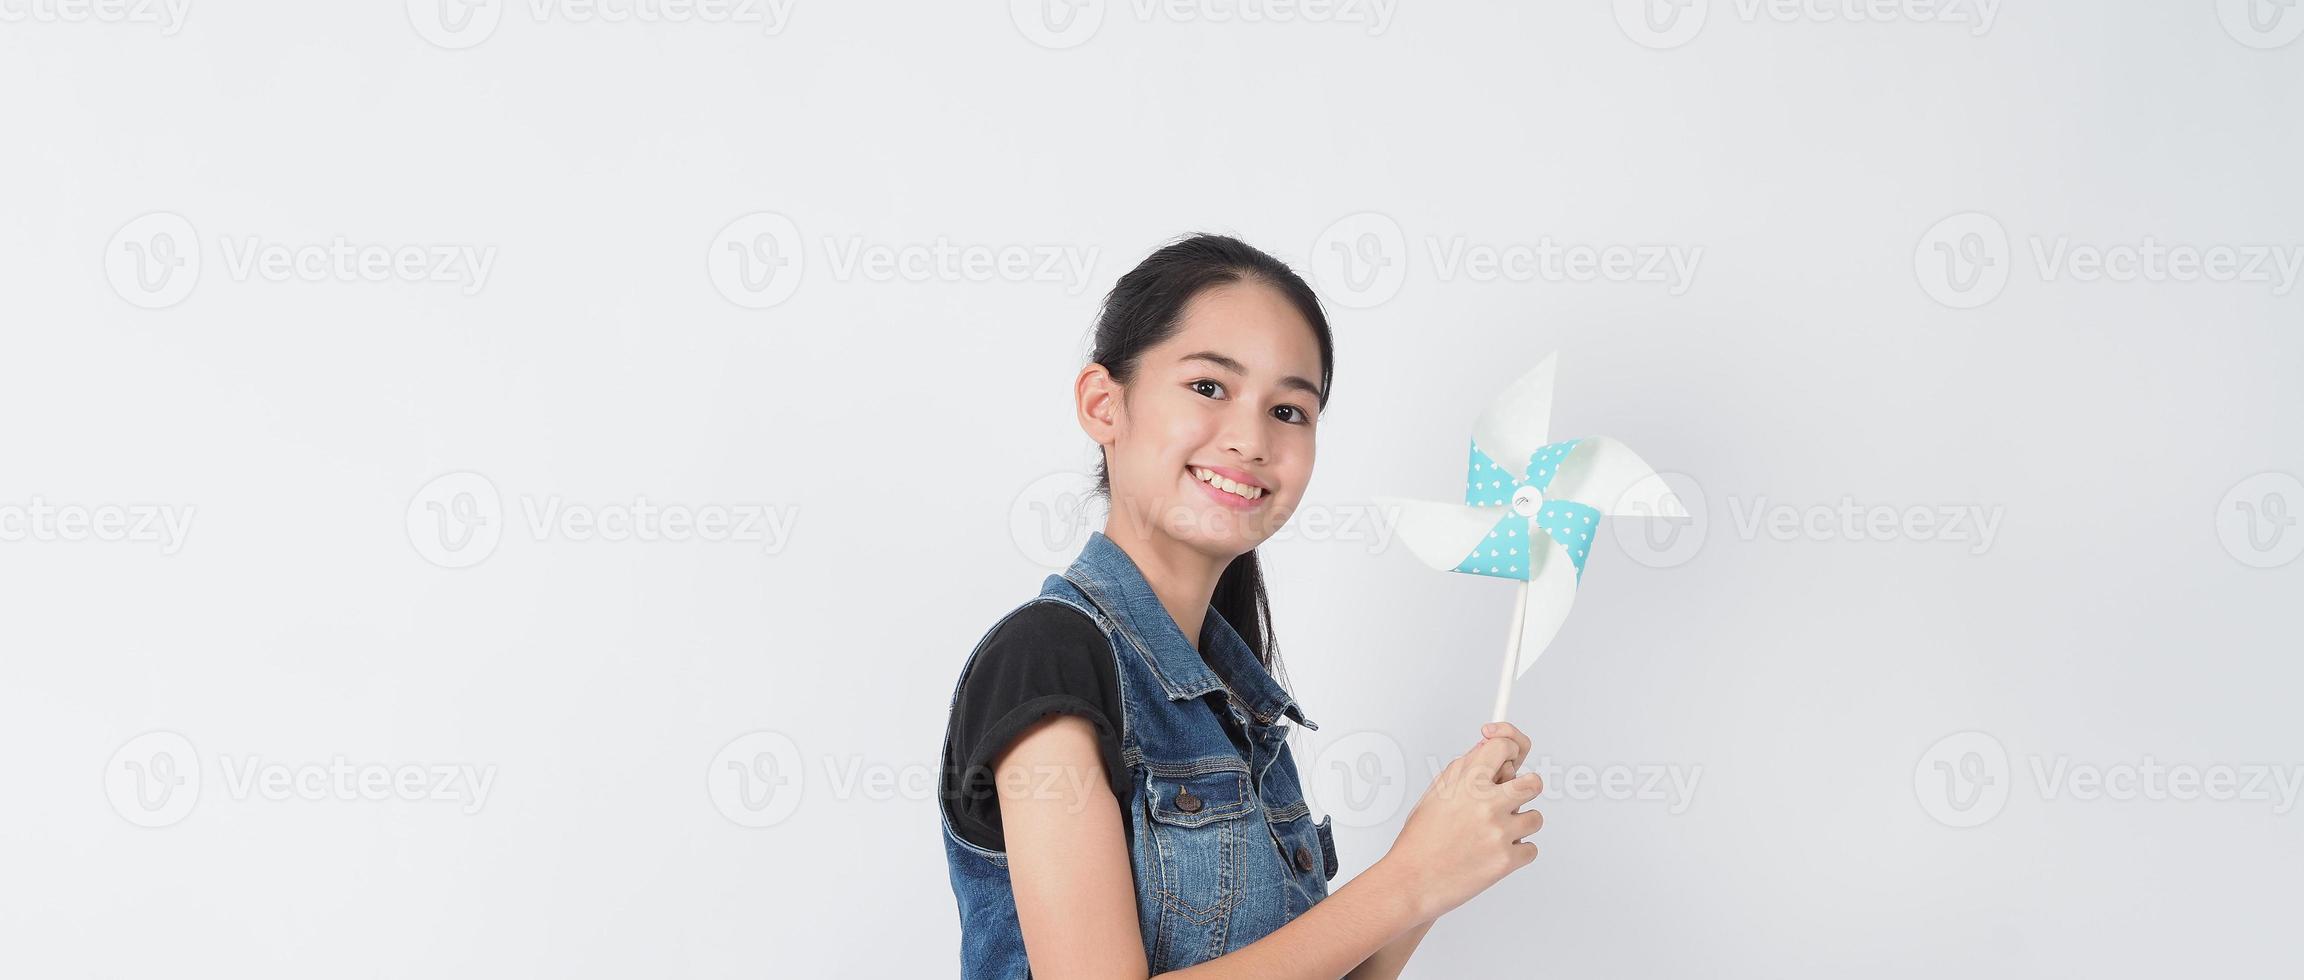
1043 644
1043 658
1045 624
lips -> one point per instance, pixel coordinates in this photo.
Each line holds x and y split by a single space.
1229 486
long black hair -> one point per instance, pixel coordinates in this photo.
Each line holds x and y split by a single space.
1145 308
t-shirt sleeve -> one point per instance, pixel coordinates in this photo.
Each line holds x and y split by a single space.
1047 658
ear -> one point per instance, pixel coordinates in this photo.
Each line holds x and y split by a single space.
1096 403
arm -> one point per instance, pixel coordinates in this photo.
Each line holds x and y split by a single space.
1393 958
1076 895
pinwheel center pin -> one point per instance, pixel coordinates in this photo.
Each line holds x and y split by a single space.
1527 500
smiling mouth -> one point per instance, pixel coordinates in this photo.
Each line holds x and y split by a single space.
1221 484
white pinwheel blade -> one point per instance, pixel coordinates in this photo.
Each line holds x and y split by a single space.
1515 423
1441 535
1608 475
1551 593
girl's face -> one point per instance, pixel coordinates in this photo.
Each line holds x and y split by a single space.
1232 395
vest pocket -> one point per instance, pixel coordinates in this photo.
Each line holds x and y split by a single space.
1198 834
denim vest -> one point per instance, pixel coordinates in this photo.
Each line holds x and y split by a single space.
1221 844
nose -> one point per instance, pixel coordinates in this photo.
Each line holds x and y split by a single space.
1245 439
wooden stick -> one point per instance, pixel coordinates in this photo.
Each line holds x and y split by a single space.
1511 653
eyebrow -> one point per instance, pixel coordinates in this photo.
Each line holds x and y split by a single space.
1236 367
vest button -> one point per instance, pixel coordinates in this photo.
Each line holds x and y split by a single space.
1187 802
1303 858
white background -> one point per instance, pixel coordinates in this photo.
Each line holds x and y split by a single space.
2133 437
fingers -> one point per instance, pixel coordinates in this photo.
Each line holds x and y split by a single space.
1523 854
1507 730
1524 787
1526 822
1494 756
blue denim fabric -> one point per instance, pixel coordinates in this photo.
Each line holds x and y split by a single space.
1221 844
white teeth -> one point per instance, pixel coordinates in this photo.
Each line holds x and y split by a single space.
1241 489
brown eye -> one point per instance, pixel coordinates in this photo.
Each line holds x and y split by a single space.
1299 419
1204 381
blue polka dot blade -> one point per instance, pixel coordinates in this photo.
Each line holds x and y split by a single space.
1531 510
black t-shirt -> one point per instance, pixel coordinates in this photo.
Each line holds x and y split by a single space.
1048 658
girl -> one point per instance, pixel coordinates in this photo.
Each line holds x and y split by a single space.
1119 798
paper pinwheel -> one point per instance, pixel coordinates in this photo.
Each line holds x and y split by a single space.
1530 512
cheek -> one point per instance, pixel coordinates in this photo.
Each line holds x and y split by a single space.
1178 438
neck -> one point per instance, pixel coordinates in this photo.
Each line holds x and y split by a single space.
1184 579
